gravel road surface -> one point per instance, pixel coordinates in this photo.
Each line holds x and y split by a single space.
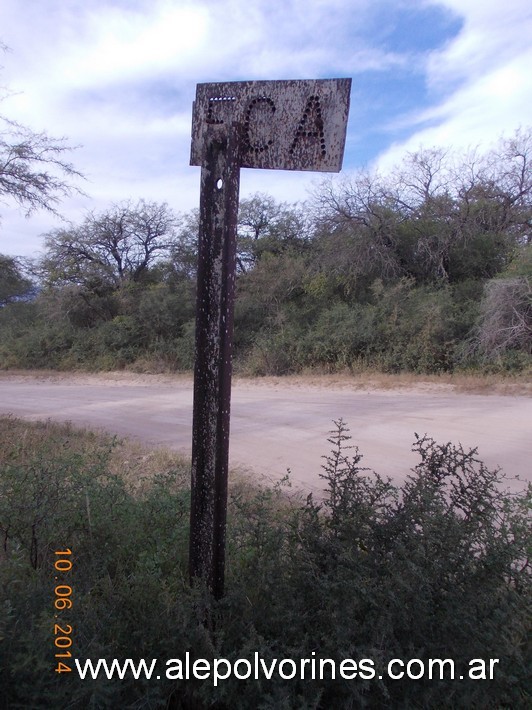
277 425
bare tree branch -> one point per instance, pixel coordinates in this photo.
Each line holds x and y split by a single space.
34 171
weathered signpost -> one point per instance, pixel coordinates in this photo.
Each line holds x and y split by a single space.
282 125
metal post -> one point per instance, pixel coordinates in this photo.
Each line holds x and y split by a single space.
220 178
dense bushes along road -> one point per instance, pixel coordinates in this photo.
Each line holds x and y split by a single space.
426 269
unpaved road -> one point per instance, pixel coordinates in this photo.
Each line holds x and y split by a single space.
277 425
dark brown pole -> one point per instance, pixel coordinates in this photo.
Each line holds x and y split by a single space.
220 178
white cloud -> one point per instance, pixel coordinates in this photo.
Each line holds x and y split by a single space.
483 76
493 32
132 45
118 78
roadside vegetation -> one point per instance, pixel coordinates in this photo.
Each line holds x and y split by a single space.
426 269
438 568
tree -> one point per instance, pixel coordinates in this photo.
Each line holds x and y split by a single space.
470 210
13 283
265 225
505 317
182 264
33 169
507 172
111 248
357 227
439 217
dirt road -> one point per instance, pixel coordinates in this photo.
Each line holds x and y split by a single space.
277 425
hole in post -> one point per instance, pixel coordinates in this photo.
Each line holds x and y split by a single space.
219 183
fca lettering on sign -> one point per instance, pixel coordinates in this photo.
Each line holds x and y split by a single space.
283 125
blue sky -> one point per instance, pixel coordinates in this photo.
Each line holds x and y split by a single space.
118 79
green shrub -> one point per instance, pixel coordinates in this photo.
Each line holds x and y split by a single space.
434 569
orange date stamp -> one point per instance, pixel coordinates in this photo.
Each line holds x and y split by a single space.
62 601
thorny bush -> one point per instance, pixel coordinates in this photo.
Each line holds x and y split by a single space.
435 568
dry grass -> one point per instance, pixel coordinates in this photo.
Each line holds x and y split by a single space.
368 380
23 441
112 378
371 381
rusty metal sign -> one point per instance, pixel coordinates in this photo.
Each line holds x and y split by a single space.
284 125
